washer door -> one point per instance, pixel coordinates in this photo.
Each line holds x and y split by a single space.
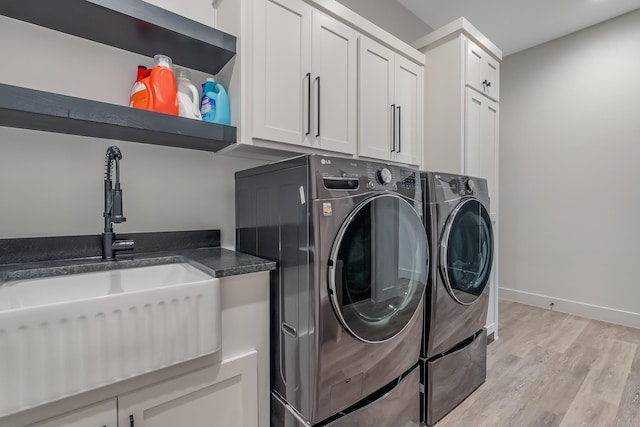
378 268
466 251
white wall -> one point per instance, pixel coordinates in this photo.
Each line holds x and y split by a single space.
390 16
570 173
51 184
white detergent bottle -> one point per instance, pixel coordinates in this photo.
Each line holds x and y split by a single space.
188 98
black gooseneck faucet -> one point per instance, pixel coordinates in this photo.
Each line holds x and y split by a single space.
113 208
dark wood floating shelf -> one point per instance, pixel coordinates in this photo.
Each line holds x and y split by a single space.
50 112
132 25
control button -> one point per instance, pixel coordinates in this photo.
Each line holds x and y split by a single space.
384 176
371 185
471 185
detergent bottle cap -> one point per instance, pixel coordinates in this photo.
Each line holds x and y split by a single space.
181 73
211 79
163 61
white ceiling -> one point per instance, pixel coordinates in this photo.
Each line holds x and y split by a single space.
515 25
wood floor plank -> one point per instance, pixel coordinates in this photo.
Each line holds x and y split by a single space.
558 389
564 334
608 375
590 413
629 408
550 369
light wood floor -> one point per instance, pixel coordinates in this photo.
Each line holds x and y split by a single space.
554 369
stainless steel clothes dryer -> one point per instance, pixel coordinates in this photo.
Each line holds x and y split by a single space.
347 296
453 358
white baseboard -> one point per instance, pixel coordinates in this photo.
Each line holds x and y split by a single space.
605 314
492 329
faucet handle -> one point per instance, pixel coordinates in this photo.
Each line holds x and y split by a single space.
116 211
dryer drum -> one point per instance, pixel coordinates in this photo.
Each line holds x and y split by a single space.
466 251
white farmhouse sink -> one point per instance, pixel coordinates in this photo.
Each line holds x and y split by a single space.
63 335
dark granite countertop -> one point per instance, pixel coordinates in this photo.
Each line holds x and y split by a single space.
218 262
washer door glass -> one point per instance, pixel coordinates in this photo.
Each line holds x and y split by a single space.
466 252
378 268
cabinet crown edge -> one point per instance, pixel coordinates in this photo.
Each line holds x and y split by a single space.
454 29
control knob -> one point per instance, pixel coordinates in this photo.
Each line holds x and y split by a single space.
384 176
471 186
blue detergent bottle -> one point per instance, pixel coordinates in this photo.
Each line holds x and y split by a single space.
214 106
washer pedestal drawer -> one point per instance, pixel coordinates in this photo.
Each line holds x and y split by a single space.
395 405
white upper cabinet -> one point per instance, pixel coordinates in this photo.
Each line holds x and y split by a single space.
409 95
482 70
304 77
296 85
375 100
282 71
334 95
390 105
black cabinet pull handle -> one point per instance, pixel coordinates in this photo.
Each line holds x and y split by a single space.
318 130
486 83
393 128
399 129
131 422
308 104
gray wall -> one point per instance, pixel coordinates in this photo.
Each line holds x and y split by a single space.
51 184
390 16
569 171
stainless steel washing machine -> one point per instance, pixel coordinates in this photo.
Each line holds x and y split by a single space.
453 356
347 296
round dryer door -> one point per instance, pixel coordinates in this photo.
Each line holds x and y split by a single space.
378 268
466 251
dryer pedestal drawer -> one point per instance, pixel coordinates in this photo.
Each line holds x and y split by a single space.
448 379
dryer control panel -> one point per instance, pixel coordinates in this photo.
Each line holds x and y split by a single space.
450 186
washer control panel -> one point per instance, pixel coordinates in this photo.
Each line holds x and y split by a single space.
336 174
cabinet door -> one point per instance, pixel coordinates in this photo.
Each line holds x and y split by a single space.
334 65
481 141
375 99
103 414
281 70
482 71
224 394
408 97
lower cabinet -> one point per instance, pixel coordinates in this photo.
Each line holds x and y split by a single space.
224 394
103 414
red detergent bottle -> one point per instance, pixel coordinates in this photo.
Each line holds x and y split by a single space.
155 89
